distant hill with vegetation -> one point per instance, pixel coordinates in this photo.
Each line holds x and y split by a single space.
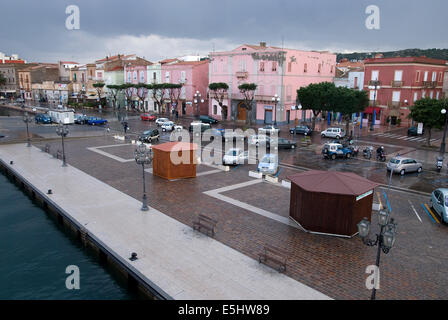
430 53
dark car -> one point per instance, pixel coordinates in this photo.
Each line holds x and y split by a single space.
283 143
149 135
300 130
413 131
96 121
81 119
230 135
42 118
207 119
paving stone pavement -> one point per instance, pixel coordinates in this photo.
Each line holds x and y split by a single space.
414 268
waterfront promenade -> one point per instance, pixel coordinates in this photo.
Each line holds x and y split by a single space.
182 263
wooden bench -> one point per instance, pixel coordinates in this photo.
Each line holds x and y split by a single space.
275 255
206 223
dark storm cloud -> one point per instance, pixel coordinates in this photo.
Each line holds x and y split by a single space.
37 28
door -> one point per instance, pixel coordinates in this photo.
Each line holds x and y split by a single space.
184 108
241 112
288 112
268 116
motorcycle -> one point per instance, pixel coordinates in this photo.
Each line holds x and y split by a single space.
381 157
367 152
439 163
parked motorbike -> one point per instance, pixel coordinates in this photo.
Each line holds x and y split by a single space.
367 152
381 157
439 163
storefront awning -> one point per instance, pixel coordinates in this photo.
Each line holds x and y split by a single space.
369 110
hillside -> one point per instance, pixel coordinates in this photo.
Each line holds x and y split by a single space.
430 53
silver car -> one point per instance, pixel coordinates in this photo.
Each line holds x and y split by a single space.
337 133
439 203
403 165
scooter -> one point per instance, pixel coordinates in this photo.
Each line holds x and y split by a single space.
381 156
367 152
439 163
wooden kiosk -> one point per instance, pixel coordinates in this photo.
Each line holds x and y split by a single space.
174 160
330 202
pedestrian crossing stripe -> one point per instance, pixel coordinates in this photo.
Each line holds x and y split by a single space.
400 137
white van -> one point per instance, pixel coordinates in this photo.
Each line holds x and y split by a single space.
333 133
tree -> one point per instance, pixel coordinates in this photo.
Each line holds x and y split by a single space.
348 101
248 92
219 91
99 89
159 92
428 112
114 91
128 89
174 91
141 90
317 97
2 79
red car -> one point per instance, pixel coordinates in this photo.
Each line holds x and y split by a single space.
147 117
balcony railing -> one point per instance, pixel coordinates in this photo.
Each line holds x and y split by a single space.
374 82
242 74
396 84
395 104
429 84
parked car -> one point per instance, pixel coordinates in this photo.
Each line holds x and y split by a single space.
234 156
147 117
439 203
200 125
300 130
283 143
96 121
269 129
159 121
403 165
167 126
229 135
268 164
42 118
413 131
336 150
208 119
337 133
259 139
81 119
149 135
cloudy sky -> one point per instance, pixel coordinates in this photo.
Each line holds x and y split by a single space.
157 29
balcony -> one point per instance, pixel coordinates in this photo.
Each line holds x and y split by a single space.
395 104
374 82
260 97
429 84
242 74
396 84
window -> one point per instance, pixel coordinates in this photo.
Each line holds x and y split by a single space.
417 77
398 76
135 75
167 77
129 77
261 65
375 74
355 85
215 109
274 66
437 95
434 76
423 94
305 68
331 71
431 94
289 66
182 76
425 78
440 77
242 65
154 76
142 76
396 96
372 95
319 68
415 96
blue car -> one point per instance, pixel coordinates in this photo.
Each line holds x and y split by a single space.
42 118
96 121
336 150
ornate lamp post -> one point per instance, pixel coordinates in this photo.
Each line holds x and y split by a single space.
27 119
374 85
143 156
384 239
275 100
197 99
62 130
442 145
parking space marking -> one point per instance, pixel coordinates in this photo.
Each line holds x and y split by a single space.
429 212
111 156
415 211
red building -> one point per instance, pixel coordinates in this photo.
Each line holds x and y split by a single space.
400 82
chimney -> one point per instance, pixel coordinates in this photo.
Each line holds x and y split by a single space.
263 44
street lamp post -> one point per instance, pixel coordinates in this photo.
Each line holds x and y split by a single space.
27 119
275 100
384 239
197 99
374 85
62 130
143 156
442 145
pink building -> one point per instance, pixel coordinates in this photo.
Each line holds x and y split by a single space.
275 71
194 77
135 72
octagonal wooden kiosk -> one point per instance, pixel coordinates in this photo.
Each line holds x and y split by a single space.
174 160
330 202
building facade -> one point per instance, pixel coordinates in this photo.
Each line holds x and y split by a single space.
276 71
400 81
